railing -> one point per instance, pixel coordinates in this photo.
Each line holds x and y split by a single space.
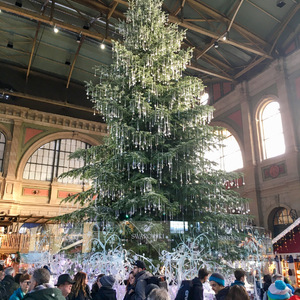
13 242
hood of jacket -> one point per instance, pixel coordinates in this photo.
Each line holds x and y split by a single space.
142 275
45 294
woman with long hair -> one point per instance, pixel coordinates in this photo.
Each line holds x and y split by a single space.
237 292
80 289
130 285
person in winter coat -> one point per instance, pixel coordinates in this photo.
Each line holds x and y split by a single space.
65 283
106 292
130 287
278 291
140 274
217 283
240 277
23 289
296 295
40 289
95 286
8 282
80 289
196 292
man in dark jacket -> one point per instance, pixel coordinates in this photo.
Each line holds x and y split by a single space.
196 292
140 273
240 277
8 283
106 292
217 283
40 289
65 283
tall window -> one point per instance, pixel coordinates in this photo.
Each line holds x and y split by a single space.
228 156
52 159
2 148
271 131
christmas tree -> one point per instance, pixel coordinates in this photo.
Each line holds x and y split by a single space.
152 165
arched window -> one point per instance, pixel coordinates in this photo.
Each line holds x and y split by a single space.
2 149
272 137
228 156
52 159
282 219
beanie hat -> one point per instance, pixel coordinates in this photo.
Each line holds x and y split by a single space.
107 280
140 264
218 278
278 291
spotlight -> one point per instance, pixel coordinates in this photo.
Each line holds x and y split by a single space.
216 44
78 39
86 26
4 96
67 62
10 44
224 38
18 3
280 3
102 46
55 29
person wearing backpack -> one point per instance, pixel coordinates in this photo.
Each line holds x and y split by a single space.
8 284
193 289
140 274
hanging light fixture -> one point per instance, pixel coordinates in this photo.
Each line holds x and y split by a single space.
102 46
216 44
224 37
55 29
78 38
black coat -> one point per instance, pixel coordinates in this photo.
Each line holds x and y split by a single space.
196 292
223 293
130 293
9 284
105 293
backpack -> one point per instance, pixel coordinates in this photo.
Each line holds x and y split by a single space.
184 290
153 282
3 293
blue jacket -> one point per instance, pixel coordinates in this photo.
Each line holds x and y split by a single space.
17 295
237 282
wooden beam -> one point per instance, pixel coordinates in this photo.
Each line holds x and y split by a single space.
234 15
249 67
205 71
216 36
32 49
46 100
282 28
111 11
44 19
216 15
74 60
179 9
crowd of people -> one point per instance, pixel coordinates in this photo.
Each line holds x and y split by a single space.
140 285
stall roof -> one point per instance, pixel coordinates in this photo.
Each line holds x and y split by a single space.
287 230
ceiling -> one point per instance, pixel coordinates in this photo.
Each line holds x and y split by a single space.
257 32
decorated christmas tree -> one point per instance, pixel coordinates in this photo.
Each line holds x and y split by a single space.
153 164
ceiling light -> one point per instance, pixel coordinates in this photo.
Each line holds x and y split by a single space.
280 3
216 44
55 29
0 10
78 38
224 37
18 3
10 44
102 46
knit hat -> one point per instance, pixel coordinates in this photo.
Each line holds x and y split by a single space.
107 280
278 291
218 278
140 264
